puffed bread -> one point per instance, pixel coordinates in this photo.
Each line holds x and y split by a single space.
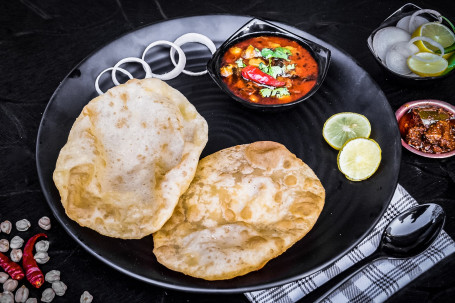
129 156
246 205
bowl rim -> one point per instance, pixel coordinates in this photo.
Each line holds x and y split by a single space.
424 103
409 8
321 54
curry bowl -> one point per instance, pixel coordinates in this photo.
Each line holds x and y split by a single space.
419 104
259 28
392 20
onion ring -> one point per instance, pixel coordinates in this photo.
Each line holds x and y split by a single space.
178 68
97 87
148 71
432 42
196 38
436 14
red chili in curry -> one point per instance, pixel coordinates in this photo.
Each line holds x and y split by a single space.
429 129
253 73
269 70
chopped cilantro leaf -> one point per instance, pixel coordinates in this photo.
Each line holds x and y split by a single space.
266 53
264 68
280 92
274 71
279 52
282 52
276 92
266 92
290 67
240 63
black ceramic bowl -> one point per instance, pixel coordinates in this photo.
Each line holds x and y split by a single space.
257 27
406 10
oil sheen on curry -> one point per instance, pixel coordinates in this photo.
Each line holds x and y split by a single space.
269 70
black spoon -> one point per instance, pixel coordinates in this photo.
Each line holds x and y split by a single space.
409 234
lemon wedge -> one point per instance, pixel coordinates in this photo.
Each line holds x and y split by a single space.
431 65
359 158
342 127
437 32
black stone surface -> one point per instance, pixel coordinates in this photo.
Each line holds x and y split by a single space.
40 43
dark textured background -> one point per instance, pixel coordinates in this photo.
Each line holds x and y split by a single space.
41 41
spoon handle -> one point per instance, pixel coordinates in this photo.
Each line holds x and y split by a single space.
324 290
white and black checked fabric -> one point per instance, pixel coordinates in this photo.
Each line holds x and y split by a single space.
375 283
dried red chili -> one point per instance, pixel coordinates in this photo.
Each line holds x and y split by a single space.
11 268
32 271
255 74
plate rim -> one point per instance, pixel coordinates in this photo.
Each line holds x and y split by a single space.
195 289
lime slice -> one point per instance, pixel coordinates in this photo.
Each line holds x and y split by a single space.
342 127
427 69
436 32
359 158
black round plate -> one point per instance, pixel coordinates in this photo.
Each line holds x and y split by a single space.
351 208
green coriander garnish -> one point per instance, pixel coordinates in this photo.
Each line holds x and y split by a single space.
282 52
279 52
280 92
274 71
276 92
240 63
271 70
264 68
290 66
266 92
266 53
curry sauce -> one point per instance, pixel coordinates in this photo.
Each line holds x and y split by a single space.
269 70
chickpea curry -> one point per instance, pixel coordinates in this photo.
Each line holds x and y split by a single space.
269 70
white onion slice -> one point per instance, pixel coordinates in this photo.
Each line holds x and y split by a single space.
386 37
397 56
422 11
432 42
195 38
148 71
405 24
97 87
178 68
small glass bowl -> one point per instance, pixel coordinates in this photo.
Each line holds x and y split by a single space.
257 27
424 103
406 10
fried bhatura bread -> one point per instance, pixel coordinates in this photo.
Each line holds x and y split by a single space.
129 156
246 205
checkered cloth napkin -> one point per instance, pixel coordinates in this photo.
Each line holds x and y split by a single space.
375 283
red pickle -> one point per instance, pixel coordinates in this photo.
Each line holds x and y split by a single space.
429 129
